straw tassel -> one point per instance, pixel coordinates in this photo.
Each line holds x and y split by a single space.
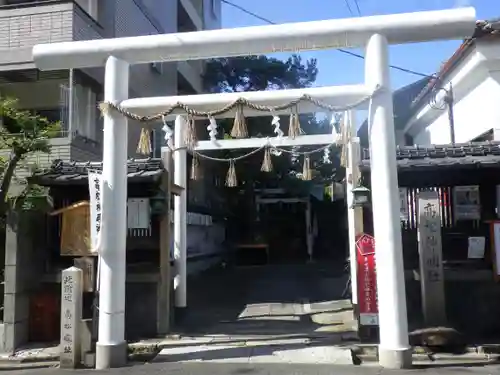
144 145
104 107
294 127
239 127
190 134
267 163
231 178
195 168
306 171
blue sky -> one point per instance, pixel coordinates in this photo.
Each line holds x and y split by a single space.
336 68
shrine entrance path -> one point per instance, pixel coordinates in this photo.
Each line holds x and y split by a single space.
268 314
302 300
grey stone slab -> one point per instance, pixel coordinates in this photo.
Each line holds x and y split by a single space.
205 353
2 338
430 252
253 311
10 279
16 280
71 316
282 309
11 245
334 305
295 341
16 307
325 318
15 334
306 355
287 318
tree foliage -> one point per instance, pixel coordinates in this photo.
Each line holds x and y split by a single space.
22 133
258 73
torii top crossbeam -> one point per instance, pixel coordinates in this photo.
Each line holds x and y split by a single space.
328 34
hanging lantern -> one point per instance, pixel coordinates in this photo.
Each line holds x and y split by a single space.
360 196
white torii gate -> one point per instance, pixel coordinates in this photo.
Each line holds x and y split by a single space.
375 33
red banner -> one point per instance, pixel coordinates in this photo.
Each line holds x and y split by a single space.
367 280
443 198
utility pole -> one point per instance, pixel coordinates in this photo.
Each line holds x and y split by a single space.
449 101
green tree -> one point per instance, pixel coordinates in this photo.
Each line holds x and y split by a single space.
22 133
258 73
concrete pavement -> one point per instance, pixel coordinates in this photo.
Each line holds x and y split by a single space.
265 369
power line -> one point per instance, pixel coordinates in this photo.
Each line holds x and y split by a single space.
356 2
267 20
348 7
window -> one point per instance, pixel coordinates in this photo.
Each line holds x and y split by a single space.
157 142
85 115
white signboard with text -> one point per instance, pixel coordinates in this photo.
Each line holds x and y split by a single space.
95 192
466 202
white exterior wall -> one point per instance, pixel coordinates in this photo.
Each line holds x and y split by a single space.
476 89
474 115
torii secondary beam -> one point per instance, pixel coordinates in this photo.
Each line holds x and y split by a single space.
337 96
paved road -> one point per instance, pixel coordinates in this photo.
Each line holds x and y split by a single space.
281 369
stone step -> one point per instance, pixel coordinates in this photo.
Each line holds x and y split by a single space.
299 351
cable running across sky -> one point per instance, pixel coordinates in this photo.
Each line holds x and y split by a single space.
357 55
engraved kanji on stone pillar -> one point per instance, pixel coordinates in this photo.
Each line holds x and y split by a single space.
71 316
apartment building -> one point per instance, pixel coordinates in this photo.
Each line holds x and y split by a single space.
72 96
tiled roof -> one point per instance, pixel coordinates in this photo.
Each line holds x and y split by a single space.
483 29
402 99
407 99
67 173
472 155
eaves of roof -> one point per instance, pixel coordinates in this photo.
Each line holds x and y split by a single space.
462 156
76 173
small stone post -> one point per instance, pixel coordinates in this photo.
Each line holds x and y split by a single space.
71 316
